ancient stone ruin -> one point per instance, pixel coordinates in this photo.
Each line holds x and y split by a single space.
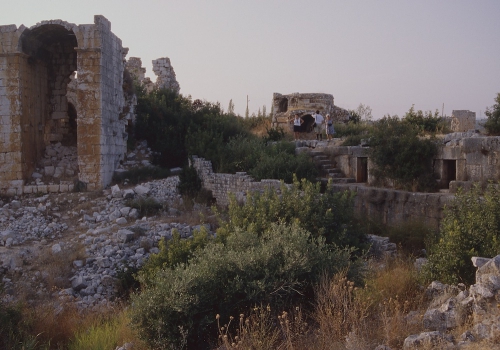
162 68
285 107
66 102
463 120
36 65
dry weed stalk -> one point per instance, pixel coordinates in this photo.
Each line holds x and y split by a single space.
338 312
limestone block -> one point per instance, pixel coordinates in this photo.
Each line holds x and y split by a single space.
42 189
53 188
49 170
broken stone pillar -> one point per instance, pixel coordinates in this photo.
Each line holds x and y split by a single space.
463 120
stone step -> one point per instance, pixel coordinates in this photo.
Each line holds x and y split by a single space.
333 171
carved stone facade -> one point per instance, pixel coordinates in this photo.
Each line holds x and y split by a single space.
36 66
285 107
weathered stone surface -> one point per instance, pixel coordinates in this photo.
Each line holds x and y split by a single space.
427 340
44 94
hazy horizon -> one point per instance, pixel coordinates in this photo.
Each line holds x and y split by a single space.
388 54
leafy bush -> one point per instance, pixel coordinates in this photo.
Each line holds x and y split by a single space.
174 253
329 215
189 182
402 156
277 267
471 227
275 160
425 121
492 124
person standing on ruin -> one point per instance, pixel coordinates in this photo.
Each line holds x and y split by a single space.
318 125
329 127
297 126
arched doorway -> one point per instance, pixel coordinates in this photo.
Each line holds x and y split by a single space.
307 126
47 116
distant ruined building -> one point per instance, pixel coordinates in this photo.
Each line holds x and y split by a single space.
162 68
64 89
285 107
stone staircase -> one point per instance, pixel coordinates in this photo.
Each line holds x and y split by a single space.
327 169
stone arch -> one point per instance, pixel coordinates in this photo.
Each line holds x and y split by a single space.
307 126
50 52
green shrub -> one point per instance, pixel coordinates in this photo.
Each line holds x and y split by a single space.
329 215
402 156
278 267
352 129
492 124
471 227
189 182
173 253
424 121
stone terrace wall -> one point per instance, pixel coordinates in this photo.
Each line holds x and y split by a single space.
223 184
394 207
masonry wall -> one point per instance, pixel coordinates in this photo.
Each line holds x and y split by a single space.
222 184
34 102
394 207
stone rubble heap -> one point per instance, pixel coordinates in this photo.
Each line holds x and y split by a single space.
140 157
59 163
452 306
113 235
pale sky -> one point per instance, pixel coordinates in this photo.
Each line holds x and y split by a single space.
387 54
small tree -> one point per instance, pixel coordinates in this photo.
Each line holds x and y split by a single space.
492 124
471 227
364 112
401 155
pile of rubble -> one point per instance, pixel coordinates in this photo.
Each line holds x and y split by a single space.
113 235
60 163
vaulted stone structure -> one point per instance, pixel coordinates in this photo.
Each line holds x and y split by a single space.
285 107
36 67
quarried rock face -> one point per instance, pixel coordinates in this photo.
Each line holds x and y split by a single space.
40 105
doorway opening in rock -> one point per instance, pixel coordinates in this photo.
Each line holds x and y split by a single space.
362 169
308 124
449 171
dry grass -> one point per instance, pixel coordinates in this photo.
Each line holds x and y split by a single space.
57 268
345 317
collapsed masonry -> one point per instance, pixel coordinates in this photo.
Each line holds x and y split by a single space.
285 107
36 65
66 102
162 68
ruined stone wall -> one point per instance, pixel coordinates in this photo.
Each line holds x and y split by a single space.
113 136
162 68
387 205
285 107
36 66
463 120
222 185
165 74
394 207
